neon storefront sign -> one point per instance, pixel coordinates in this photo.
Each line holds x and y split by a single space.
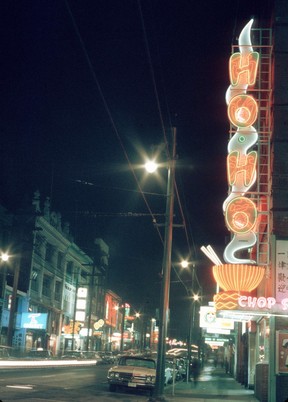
241 212
261 302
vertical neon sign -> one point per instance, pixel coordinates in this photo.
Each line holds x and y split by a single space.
241 212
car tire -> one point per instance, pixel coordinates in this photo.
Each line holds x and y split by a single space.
112 387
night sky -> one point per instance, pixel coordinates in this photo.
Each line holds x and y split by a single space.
88 88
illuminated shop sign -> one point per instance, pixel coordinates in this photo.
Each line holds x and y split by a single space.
34 320
81 304
281 277
241 212
268 303
240 275
209 320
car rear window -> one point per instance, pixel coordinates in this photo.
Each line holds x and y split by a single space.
137 363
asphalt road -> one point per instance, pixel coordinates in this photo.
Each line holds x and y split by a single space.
60 384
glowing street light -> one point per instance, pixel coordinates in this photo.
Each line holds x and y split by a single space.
184 264
151 166
5 257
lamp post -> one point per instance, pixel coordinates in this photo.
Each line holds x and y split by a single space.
185 264
122 328
194 298
13 302
166 272
122 309
75 311
4 257
91 294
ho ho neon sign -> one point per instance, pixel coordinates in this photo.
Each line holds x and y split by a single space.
241 212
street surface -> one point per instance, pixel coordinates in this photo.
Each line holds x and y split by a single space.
89 384
61 384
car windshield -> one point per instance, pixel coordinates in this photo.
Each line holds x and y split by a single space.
128 361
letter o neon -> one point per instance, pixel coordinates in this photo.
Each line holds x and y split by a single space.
261 302
241 215
242 110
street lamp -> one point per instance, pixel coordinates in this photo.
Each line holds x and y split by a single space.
4 257
166 272
13 302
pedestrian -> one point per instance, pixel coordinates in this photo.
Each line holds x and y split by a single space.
195 370
226 365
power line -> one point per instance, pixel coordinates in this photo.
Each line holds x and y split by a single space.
164 135
109 113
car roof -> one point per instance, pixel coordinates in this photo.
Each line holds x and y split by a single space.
139 357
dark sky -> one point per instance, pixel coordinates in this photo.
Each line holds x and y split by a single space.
88 85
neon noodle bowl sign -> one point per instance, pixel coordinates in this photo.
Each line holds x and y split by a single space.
241 212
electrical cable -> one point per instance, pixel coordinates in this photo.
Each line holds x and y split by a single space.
164 134
110 114
108 111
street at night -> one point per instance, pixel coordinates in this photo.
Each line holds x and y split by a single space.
143 204
89 384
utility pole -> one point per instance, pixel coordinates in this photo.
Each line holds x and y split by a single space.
11 323
91 293
122 327
166 272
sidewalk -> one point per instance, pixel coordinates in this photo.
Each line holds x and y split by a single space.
214 385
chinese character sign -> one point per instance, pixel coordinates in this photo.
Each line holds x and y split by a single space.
281 280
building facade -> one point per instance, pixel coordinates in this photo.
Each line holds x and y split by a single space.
55 293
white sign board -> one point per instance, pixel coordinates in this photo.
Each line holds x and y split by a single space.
208 319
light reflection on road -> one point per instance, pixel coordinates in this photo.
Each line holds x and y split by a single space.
45 363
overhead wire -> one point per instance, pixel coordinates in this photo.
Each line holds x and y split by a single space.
165 140
107 109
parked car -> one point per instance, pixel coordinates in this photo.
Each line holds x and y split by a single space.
39 354
4 352
95 356
133 372
73 355
107 357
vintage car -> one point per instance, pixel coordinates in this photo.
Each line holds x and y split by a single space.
133 372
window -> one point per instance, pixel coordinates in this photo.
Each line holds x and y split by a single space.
35 280
47 281
49 252
60 258
58 291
